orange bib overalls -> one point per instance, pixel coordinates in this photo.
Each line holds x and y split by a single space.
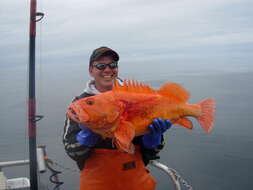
108 169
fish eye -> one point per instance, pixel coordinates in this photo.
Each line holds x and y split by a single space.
90 102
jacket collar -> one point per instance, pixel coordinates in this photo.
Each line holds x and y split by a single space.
91 89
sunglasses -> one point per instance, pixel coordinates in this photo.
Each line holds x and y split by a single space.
102 66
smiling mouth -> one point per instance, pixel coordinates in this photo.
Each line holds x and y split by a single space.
109 76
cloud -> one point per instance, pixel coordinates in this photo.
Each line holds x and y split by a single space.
135 28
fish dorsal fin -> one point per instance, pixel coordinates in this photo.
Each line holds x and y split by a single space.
132 86
175 91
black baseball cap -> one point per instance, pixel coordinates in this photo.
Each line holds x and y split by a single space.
103 51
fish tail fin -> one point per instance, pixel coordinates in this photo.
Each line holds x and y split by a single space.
206 119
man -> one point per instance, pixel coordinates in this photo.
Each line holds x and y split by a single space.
102 165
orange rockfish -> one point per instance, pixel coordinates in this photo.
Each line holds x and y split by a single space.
128 109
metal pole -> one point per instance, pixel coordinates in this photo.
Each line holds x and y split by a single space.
31 100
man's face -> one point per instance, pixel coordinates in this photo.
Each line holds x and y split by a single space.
104 78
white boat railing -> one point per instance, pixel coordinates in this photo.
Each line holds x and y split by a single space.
21 182
173 174
13 163
14 183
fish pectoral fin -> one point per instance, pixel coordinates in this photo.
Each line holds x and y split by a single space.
185 122
123 136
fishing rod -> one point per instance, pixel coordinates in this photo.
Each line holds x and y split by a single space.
32 117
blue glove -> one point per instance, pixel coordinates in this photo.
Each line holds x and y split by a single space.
87 137
157 128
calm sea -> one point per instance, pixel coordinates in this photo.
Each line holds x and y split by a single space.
221 160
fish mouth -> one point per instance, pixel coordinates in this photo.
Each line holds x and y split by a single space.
77 114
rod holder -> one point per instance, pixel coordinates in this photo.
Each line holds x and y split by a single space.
41 159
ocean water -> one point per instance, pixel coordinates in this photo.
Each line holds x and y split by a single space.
221 160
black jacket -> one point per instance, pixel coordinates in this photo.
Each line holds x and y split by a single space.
80 153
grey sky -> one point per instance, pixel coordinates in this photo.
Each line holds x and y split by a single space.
153 31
